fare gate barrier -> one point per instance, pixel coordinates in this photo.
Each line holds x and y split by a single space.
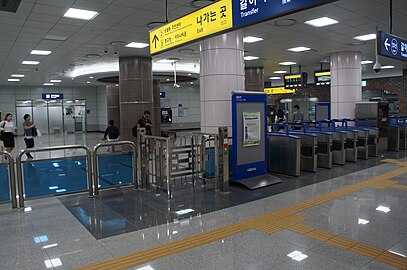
401 122
19 169
284 152
351 149
11 177
95 159
362 142
373 136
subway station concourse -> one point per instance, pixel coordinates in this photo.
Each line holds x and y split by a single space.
203 134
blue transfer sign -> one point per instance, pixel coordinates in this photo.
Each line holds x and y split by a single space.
391 46
246 12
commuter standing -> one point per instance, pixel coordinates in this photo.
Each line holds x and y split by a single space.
112 133
8 132
298 117
280 118
145 122
29 133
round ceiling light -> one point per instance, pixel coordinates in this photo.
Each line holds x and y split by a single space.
201 3
356 43
285 22
154 25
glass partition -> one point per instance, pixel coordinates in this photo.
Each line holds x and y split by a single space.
115 169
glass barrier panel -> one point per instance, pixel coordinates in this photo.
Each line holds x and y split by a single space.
115 169
4 184
53 177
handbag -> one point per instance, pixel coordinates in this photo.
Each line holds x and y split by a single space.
2 132
34 132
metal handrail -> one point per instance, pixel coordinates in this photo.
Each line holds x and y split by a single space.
96 162
12 178
52 148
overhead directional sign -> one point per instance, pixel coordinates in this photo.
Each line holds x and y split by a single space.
222 16
206 21
391 46
278 91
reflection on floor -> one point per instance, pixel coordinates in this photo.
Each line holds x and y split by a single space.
124 209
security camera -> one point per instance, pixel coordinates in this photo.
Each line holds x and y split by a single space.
115 52
105 51
377 67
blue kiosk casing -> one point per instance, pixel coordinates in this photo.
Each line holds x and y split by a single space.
248 161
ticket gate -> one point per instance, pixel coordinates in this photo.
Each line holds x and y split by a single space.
362 141
373 138
351 138
284 151
397 134
401 120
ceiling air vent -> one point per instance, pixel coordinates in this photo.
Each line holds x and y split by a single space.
9 5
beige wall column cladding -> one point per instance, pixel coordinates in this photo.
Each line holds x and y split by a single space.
346 83
254 79
156 108
136 92
222 71
113 104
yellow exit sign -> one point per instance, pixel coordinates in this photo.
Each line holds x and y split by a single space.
278 91
206 21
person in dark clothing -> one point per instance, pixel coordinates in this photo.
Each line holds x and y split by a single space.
298 117
145 122
280 118
28 134
112 133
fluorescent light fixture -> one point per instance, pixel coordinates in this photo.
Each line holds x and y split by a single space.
55 81
168 80
138 45
250 39
387 67
280 72
184 211
189 74
53 263
81 14
363 221
50 246
166 61
288 63
53 187
17 75
402 255
321 22
60 190
299 49
53 37
383 209
13 80
365 37
48 84
91 77
40 52
30 62
88 82
366 62
250 58
275 78
297 255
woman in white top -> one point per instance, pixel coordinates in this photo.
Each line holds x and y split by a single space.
8 136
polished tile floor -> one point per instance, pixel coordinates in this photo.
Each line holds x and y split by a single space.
74 231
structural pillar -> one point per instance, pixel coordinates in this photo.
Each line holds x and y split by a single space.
346 83
254 79
221 72
156 108
136 92
113 104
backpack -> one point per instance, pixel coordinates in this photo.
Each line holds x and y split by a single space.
134 131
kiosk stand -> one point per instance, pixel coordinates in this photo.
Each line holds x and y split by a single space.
249 149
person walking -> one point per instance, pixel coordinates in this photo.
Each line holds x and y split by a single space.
112 133
145 122
8 132
280 118
29 133
298 117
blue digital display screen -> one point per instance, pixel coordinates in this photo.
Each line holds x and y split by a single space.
246 12
392 46
162 94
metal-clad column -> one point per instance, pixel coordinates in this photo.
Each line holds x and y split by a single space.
254 79
156 108
113 104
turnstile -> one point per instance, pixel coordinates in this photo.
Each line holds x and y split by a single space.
394 137
284 153
351 138
363 137
373 136
309 157
403 132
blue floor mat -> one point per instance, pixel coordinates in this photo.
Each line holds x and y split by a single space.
4 184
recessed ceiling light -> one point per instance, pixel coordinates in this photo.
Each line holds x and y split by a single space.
93 56
91 77
88 82
40 52
383 208
81 14
13 80
287 63
189 74
366 37
192 82
250 58
138 45
299 49
48 84
168 80
250 39
363 221
55 81
275 78
366 62
387 67
30 62
321 22
17 75
54 37
280 72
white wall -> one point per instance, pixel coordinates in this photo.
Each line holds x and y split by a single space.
95 100
188 96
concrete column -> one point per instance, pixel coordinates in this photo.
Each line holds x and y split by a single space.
222 71
156 108
136 92
346 87
403 102
113 104
254 79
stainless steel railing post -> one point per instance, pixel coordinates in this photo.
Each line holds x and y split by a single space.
11 178
20 184
169 166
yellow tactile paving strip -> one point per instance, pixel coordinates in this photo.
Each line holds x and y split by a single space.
269 223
